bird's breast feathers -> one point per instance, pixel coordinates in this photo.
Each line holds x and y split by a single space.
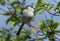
28 12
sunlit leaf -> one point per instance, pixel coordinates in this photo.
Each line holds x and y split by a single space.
41 11
56 10
18 9
41 23
47 5
43 6
57 31
13 23
44 3
15 20
50 6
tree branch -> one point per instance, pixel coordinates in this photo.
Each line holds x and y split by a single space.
52 13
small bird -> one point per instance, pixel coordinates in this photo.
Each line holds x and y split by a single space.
27 16
28 13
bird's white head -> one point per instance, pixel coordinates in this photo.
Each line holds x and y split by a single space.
29 11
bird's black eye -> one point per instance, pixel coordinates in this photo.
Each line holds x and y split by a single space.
25 7
31 6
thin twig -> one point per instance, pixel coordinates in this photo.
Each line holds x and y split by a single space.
52 13
3 10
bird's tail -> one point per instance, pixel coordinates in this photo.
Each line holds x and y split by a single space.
18 32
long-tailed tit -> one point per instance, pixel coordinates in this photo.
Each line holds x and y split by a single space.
28 14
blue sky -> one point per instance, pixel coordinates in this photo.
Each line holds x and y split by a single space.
36 19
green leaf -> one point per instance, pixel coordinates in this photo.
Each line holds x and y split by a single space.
2 2
58 4
6 13
1 31
15 20
47 5
44 3
42 24
42 6
19 9
13 23
41 11
39 2
50 6
56 25
57 31
56 9
14 2
49 34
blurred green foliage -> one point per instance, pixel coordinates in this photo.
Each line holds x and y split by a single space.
15 9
